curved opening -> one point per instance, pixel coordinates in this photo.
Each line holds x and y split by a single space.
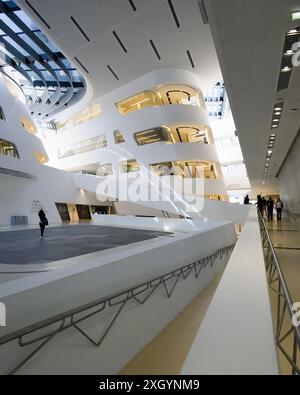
83 146
28 125
9 149
175 134
162 95
186 169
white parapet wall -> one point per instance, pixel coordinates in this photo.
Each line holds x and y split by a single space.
236 336
99 275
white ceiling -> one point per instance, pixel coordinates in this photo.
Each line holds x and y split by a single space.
152 20
249 36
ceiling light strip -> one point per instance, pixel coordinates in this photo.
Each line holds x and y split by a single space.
119 41
33 9
155 49
80 64
133 6
174 13
80 28
203 12
190 58
113 73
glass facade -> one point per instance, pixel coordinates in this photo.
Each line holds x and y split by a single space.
9 149
83 146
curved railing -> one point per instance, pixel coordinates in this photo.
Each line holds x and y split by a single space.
72 318
285 305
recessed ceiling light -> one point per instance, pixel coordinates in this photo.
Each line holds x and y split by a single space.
277 113
270 152
295 16
276 120
273 135
278 109
289 52
286 69
293 31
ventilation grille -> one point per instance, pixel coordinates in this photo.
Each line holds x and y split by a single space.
18 174
203 12
80 28
119 41
190 58
80 64
155 50
34 10
113 73
133 6
176 19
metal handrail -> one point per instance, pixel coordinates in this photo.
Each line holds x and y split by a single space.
139 293
273 267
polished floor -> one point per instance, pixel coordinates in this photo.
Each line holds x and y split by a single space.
167 352
286 240
25 247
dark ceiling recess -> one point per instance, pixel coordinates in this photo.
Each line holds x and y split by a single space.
132 5
120 42
80 28
190 58
292 37
203 11
155 49
80 64
113 73
33 9
176 19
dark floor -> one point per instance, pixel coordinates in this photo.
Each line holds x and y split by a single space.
25 247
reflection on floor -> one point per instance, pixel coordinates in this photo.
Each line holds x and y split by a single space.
25 247
286 240
166 354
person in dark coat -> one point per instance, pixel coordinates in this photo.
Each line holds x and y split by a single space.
270 206
259 204
43 222
247 200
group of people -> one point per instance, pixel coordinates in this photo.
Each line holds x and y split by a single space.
266 207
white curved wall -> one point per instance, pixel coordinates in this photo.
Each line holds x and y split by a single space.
47 186
147 118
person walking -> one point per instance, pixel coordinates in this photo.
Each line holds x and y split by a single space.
43 222
265 208
247 200
259 204
270 206
279 207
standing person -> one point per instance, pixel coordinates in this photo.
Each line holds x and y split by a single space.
265 208
247 200
43 222
279 207
270 205
259 204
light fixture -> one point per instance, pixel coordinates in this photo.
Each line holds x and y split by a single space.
295 15
276 120
286 69
293 31
277 113
278 109
289 52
